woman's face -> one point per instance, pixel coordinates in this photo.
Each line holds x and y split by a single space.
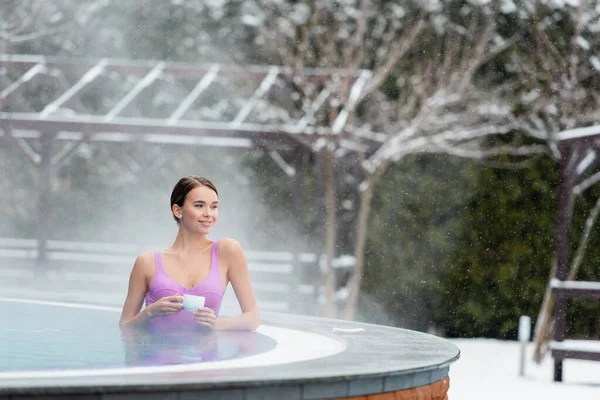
200 210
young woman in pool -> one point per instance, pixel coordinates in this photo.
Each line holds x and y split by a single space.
192 265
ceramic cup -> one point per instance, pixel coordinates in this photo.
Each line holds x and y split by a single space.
192 303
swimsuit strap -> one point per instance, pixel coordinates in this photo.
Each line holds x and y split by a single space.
157 260
215 256
160 269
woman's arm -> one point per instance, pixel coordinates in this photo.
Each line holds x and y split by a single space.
237 272
138 285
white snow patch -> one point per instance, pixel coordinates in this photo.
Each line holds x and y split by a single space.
489 369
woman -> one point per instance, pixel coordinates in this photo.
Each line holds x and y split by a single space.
193 265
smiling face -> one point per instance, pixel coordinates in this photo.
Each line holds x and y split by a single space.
199 211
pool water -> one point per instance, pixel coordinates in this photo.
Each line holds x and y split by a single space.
41 337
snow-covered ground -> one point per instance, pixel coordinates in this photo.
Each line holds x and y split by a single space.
489 369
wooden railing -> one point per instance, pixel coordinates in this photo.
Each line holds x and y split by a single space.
575 349
91 271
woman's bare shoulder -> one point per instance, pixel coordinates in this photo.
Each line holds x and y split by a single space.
229 248
145 262
229 244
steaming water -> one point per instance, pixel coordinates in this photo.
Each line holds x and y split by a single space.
37 337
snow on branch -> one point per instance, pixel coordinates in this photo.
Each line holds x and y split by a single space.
587 183
435 128
12 38
564 100
355 35
479 153
31 20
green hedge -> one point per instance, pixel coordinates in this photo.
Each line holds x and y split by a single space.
466 249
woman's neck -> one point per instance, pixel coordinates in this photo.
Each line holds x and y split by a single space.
187 241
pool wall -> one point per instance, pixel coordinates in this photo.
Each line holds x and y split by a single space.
357 361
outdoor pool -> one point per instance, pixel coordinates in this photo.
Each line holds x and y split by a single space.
55 349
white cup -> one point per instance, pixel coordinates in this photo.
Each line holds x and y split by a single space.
192 303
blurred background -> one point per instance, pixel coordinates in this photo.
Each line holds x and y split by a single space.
395 162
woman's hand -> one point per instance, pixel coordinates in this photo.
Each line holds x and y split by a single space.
165 306
206 317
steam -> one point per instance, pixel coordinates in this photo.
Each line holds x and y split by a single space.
118 193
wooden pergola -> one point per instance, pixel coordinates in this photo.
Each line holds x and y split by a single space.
579 157
61 103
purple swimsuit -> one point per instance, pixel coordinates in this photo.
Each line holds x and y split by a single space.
211 288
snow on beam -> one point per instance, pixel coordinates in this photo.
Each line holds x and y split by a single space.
93 123
25 133
95 129
85 80
575 289
193 95
583 285
212 141
578 133
27 149
26 77
68 149
355 93
264 86
141 85
33 156
577 345
281 163
314 107
178 69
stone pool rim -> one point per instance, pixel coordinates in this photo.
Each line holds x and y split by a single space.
379 359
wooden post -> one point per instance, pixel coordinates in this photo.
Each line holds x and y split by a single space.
45 208
300 158
565 207
330 231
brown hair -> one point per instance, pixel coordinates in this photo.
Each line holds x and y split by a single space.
185 185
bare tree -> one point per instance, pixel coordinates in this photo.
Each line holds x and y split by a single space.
444 104
357 35
448 107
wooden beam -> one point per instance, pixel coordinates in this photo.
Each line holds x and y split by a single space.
179 69
134 129
137 89
193 95
575 289
85 80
